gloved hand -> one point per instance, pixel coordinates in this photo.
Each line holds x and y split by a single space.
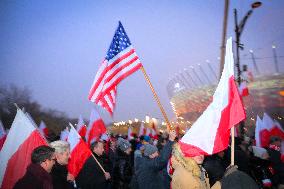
230 169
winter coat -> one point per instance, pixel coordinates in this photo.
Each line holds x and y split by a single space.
59 177
149 170
35 178
187 173
91 176
277 165
122 170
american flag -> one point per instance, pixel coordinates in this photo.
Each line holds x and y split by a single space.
121 61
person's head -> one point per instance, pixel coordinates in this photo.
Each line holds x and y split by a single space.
146 139
44 156
274 140
198 159
62 151
150 151
98 147
124 145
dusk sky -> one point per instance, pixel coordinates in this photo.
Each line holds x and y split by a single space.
54 47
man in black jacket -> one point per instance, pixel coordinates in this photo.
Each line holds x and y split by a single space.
37 175
150 165
91 175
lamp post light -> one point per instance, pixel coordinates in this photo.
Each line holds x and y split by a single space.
238 30
254 62
239 27
275 58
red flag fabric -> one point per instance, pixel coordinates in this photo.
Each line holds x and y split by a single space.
3 135
129 134
96 127
80 152
81 127
141 130
15 155
120 62
243 89
210 133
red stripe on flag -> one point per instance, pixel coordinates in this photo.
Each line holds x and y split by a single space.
19 161
230 116
122 57
118 80
79 155
121 67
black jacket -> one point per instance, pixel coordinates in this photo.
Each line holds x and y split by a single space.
214 167
149 170
59 177
91 176
35 178
122 170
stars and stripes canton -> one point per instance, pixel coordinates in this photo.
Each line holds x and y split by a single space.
121 61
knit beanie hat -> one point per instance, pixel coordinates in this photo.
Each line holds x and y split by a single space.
123 144
149 149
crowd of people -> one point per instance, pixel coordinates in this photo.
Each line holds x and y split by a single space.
154 163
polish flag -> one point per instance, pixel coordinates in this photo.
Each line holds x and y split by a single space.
43 129
148 131
15 155
129 134
153 133
81 127
80 152
142 130
64 134
3 135
210 133
277 130
96 127
262 134
273 127
243 89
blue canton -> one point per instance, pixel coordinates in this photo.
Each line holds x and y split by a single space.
119 42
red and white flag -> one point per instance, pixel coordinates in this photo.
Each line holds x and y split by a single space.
272 126
262 134
142 130
277 130
15 155
129 134
96 127
148 131
154 132
3 135
80 152
81 127
64 134
43 129
243 89
210 133
121 61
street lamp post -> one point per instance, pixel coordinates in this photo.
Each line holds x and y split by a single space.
239 27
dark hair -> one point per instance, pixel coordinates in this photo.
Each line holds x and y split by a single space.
42 153
95 144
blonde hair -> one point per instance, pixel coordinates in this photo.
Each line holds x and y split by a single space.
60 146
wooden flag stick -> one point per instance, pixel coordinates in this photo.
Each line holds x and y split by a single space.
232 145
156 98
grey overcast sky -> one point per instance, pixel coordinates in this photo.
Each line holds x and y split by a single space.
54 47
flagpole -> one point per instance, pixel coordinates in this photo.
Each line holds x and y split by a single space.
156 98
232 145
